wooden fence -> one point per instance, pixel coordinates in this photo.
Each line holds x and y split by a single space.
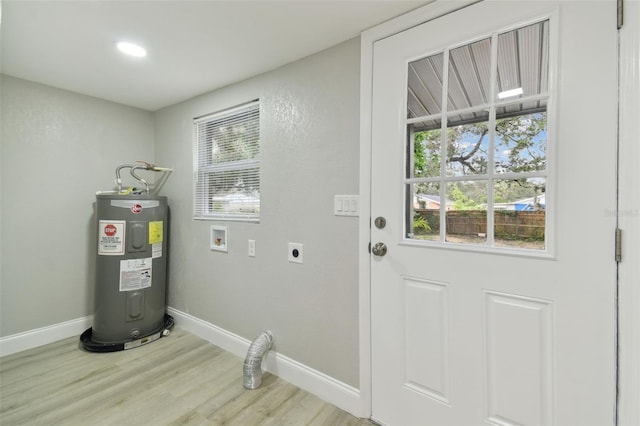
508 224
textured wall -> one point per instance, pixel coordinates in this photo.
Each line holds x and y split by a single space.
309 153
58 148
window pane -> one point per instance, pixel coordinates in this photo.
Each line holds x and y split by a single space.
227 164
424 96
424 223
467 218
230 138
424 151
523 61
236 141
467 148
469 75
234 191
494 139
521 143
520 213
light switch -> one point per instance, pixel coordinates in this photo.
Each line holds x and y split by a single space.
346 205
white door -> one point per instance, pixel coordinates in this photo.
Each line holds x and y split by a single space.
493 163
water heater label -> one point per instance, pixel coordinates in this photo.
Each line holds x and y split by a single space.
111 237
135 274
155 232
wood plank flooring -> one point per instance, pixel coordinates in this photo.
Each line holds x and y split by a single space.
177 380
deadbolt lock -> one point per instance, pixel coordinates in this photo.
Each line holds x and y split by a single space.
380 222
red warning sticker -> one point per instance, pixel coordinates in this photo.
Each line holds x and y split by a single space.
111 237
110 230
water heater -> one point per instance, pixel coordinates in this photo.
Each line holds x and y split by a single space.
131 272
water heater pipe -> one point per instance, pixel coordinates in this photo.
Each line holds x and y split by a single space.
146 166
144 182
118 179
252 369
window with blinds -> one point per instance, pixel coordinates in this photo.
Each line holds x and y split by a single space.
227 164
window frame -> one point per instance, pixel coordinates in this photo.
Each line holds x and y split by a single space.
202 167
491 176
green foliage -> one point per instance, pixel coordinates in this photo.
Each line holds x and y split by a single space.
523 139
520 144
235 142
467 195
426 153
420 224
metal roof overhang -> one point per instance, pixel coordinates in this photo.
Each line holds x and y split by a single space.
522 62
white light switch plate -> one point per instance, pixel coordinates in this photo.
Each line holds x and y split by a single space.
346 205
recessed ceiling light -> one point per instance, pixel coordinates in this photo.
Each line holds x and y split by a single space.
131 49
510 93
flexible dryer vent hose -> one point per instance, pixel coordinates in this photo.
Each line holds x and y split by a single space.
252 370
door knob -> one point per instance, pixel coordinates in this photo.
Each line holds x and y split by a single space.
379 249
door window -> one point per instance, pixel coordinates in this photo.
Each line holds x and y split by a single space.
477 143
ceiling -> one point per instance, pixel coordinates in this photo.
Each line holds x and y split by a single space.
193 46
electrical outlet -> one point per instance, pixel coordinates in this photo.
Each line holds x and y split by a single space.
295 253
252 248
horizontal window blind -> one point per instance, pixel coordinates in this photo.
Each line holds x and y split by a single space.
227 164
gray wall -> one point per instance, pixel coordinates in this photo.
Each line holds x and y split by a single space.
58 148
309 153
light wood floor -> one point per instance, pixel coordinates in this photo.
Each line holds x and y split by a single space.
177 380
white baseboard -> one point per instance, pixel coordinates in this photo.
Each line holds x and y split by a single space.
325 387
45 335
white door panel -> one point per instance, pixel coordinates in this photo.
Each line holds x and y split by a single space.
467 334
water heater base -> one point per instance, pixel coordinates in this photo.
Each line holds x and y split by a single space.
91 346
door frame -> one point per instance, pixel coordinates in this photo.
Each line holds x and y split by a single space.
629 218
629 165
